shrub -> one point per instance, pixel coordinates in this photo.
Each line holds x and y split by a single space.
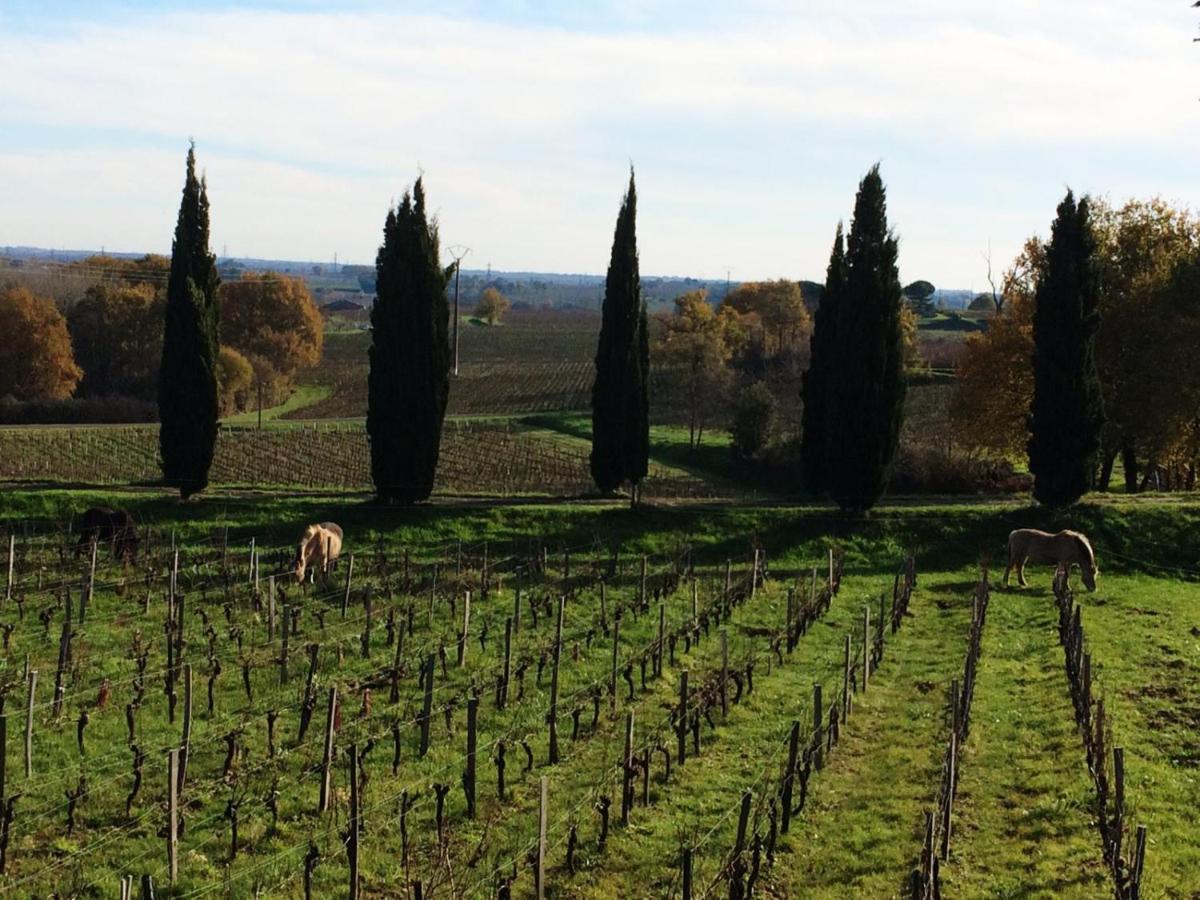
753 421
235 377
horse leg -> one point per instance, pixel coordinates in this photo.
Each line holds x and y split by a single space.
1008 569
1021 571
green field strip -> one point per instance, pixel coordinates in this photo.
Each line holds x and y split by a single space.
1144 637
303 396
1023 824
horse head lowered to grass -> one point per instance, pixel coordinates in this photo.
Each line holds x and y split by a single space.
319 546
1065 548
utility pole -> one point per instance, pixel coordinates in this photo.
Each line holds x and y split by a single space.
458 251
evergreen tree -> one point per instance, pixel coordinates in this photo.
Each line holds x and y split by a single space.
409 379
620 402
187 381
1067 413
818 378
867 385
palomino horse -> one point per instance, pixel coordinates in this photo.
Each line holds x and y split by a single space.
319 546
1065 549
114 527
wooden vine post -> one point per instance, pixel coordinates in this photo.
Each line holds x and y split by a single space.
173 815
285 630
627 770
659 645
466 630
682 724
818 722
3 755
616 649
353 825
558 631
472 738
507 675
846 682
33 677
349 575
947 810
724 672
186 744
789 777
12 557
271 608
866 645
427 708
91 584
324 801
540 872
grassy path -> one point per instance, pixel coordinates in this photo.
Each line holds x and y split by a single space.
304 395
1024 821
861 832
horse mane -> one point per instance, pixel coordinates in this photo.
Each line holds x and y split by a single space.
1086 546
308 533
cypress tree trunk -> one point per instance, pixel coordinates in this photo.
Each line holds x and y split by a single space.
408 384
1067 412
867 377
187 380
817 379
620 401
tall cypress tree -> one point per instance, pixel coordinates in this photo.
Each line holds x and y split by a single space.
868 384
1067 412
409 379
620 401
818 378
187 379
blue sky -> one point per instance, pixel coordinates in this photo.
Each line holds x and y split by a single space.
749 124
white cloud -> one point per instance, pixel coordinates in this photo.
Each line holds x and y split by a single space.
308 122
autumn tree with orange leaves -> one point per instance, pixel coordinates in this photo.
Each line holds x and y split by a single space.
36 360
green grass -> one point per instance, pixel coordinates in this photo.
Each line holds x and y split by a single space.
303 396
670 445
1023 828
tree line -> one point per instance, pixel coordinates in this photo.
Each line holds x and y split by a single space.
105 346
1048 379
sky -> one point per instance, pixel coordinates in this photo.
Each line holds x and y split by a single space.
749 125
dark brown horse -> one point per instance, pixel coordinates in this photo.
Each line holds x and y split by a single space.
114 527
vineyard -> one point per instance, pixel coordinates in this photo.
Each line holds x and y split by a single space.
496 459
536 362
616 716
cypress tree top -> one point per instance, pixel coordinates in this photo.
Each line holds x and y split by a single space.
190 257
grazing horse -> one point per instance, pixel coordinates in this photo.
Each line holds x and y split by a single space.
1066 549
320 545
114 527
